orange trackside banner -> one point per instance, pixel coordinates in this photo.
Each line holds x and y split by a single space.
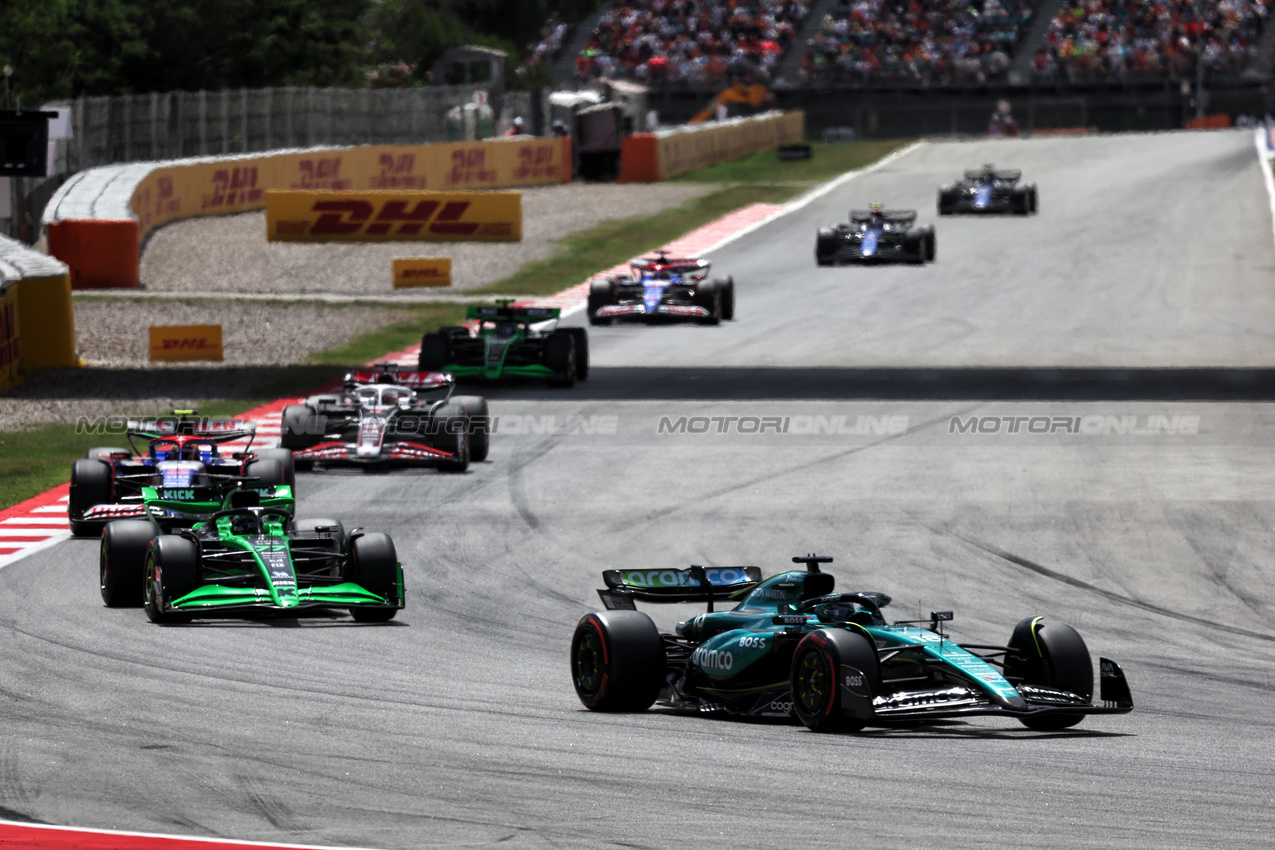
306 216
186 342
186 190
422 271
647 157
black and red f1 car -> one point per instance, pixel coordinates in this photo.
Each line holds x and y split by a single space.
382 416
663 287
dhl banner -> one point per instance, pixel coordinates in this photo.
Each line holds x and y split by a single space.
374 216
422 271
177 191
10 346
186 342
649 157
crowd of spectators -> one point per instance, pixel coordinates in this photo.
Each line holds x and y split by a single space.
916 41
1142 39
712 41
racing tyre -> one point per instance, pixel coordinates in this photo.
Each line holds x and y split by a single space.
435 353
301 427
90 486
172 571
617 661
827 242
601 293
374 564
479 417
823 662
1055 656
105 453
560 357
452 436
727 287
284 456
122 562
582 352
709 296
268 470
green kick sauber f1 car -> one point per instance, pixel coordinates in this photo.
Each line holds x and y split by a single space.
510 342
792 646
206 552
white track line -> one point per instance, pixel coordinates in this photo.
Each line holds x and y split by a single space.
1263 154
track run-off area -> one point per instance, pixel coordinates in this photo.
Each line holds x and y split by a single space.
1115 353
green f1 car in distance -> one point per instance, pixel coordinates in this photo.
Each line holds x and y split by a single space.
792 646
511 342
246 557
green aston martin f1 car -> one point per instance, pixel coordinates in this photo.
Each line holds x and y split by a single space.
244 556
510 342
792 646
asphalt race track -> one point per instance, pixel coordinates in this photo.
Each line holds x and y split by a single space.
1137 307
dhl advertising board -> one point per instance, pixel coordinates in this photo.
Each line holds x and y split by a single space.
186 190
377 216
650 157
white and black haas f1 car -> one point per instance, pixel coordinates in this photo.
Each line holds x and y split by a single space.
988 191
876 236
790 645
663 288
387 416
181 450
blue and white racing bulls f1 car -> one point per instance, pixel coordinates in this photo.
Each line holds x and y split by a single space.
663 287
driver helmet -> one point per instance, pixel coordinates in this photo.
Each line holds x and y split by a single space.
245 524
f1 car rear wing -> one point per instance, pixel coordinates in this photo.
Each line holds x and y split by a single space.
1009 175
698 584
189 423
508 313
892 216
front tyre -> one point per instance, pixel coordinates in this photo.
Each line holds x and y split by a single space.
824 662
1052 655
122 562
374 567
617 661
172 571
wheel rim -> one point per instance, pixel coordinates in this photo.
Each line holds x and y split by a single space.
813 685
589 664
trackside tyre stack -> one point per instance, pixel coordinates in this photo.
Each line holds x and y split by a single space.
617 661
823 663
1052 655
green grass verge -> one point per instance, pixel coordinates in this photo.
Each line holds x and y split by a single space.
759 178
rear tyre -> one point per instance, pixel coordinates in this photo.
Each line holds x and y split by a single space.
617 661
1052 655
479 417
122 562
601 294
728 299
560 357
374 567
827 241
582 352
269 471
819 665
301 427
90 487
435 353
709 296
172 571
286 461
